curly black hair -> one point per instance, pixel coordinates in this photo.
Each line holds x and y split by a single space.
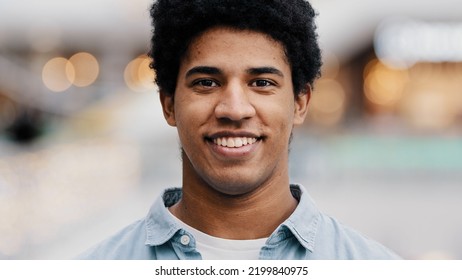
177 22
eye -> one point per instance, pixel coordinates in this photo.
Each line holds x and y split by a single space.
205 83
262 83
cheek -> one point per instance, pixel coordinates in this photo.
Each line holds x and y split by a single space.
189 117
183 110
278 114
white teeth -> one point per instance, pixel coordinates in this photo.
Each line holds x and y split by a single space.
238 142
230 142
234 142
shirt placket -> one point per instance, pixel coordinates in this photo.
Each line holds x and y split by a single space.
184 245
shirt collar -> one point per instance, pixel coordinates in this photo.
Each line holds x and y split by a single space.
303 223
160 226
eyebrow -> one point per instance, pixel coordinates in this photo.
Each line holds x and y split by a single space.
209 70
265 70
203 70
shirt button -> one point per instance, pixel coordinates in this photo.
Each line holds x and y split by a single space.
185 239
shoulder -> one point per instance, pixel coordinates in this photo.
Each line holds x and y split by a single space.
326 238
128 243
337 241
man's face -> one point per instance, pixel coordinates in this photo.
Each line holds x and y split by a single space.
234 109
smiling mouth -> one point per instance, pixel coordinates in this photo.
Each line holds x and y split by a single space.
234 142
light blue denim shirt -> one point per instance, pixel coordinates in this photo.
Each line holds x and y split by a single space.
306 234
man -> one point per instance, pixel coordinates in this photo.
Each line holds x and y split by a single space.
235 77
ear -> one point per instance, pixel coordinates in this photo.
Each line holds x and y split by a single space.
168 108
301 105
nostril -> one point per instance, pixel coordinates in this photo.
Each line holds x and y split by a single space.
235 112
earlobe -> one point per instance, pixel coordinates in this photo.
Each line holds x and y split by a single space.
301 105
168 108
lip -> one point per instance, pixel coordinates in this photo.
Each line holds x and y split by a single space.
233 134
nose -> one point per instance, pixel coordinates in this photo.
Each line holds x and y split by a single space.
234 104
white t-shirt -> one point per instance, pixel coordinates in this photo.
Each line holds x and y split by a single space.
215 248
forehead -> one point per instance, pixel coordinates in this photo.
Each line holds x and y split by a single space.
227 43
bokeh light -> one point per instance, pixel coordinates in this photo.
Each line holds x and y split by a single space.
426 96
138 76
432 100
86 69
58 74
81 70
428 108
327 103
384 86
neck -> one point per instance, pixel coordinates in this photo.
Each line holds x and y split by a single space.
247 216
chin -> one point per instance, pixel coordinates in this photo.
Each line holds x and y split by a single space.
234 188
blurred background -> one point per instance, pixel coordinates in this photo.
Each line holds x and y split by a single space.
84 148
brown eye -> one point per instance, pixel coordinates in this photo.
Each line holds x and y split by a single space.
262 83
205 83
